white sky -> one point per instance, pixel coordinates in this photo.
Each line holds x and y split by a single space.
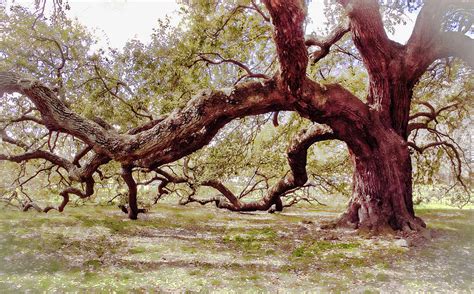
122 20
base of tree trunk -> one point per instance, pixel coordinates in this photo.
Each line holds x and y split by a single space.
131 213
398 223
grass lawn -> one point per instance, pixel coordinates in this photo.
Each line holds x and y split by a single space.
202 249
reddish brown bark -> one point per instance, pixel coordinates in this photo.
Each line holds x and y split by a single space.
382 187
288 17
297 177
382 193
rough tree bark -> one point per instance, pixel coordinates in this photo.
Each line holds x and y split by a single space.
375 132
382 184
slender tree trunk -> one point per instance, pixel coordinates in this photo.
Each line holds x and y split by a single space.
382 185
132 192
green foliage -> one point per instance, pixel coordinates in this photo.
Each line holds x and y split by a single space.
444 171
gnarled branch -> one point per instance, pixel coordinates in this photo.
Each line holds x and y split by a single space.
325 43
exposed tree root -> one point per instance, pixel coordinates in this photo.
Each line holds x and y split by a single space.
407 225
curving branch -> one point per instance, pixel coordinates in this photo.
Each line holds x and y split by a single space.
199 120
65 194
442 140
39 154
22 118
56 115
249 72
29 155
430 116
295 178
325 44
447 146
82 194
172 137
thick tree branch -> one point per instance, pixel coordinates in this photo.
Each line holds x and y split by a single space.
198 121
195 125
429 41
57 116
288 18
368 34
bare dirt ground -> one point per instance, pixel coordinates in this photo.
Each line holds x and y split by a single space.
203 249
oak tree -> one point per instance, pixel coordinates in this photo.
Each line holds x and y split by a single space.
158 131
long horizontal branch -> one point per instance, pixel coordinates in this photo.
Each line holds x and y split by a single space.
186 130
57 116
196 124
38 154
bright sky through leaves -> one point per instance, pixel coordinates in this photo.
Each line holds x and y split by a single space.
122 20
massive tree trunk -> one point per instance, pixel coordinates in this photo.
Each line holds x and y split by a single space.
382 185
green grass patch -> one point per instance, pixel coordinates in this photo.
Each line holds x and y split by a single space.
313 248
137 250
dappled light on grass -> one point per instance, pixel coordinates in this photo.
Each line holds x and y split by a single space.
175 248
